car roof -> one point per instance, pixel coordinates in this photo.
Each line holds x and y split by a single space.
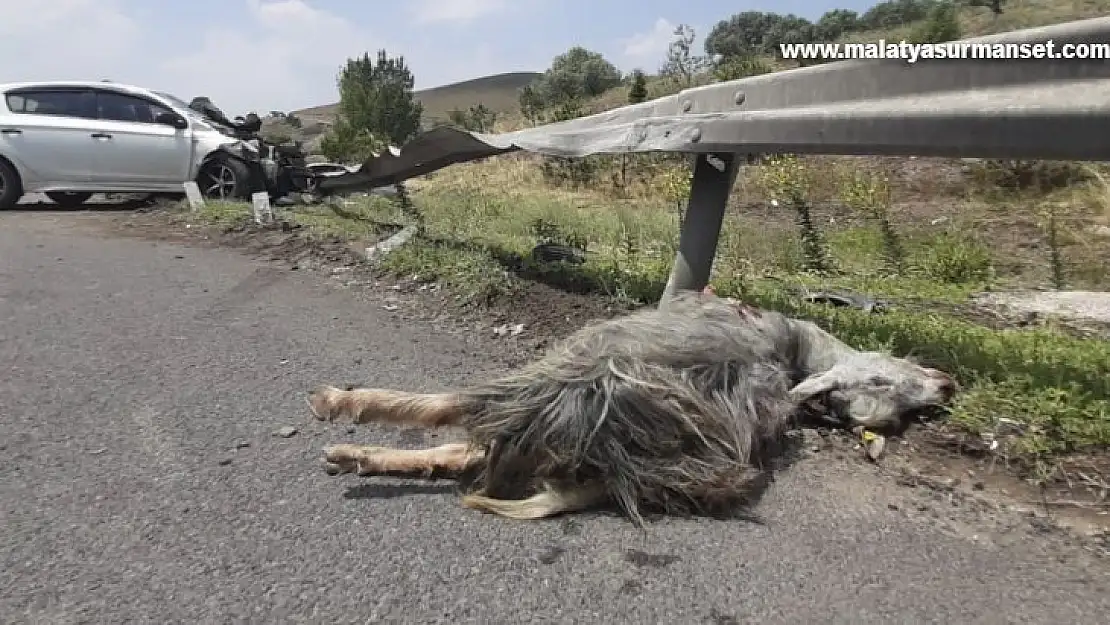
79 84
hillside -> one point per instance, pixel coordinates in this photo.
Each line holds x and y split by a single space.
497 92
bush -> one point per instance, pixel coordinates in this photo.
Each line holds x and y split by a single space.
376 105
953 259
341 143
736 68
785 179
940 25
869 194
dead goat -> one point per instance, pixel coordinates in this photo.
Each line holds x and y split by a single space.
671 409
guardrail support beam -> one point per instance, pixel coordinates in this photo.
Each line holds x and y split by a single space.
714 174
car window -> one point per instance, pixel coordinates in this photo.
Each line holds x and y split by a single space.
70 103
125 108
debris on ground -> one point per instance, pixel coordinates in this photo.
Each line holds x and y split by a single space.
873 444
508 330
286 432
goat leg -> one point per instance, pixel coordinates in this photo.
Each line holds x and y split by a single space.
363 405
444 461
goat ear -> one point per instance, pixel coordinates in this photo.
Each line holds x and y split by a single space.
814 385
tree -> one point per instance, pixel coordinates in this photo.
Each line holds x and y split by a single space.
532 102
742 34
476 118
837 22
341 143
894 13
994 5
682 64
637 91
942 24
576 74
377 97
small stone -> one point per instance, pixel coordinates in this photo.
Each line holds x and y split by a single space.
242 445
286 432
351 429
978 485
892 506
224 462
875 447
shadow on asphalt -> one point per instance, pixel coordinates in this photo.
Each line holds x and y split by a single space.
393 491
92 206
769 462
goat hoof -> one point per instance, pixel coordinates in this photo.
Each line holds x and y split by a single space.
332 468
319 402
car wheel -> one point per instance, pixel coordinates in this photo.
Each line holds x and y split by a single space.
11 187
224 179
69 199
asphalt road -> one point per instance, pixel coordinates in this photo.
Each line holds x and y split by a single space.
131 372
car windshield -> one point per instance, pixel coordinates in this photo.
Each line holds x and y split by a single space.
181 104
173 99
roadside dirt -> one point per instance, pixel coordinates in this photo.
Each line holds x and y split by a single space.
947 469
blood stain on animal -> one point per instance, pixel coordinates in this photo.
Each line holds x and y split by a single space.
642 558
551 555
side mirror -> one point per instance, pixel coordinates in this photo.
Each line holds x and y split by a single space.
170 118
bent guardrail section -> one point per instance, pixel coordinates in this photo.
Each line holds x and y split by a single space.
1054 108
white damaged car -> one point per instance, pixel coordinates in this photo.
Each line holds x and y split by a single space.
69 140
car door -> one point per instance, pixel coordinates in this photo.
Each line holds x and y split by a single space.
131 150
47 133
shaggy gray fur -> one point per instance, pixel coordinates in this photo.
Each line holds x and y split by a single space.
669 409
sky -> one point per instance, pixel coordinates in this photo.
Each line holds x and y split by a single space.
265 55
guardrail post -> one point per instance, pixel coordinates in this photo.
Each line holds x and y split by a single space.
705 212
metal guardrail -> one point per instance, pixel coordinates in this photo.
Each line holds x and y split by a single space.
964 107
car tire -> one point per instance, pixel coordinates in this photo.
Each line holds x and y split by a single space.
11 186
225 179
69 199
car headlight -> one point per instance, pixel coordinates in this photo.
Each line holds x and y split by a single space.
245 150
239 145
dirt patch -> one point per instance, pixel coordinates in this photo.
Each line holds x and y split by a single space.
1083 312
